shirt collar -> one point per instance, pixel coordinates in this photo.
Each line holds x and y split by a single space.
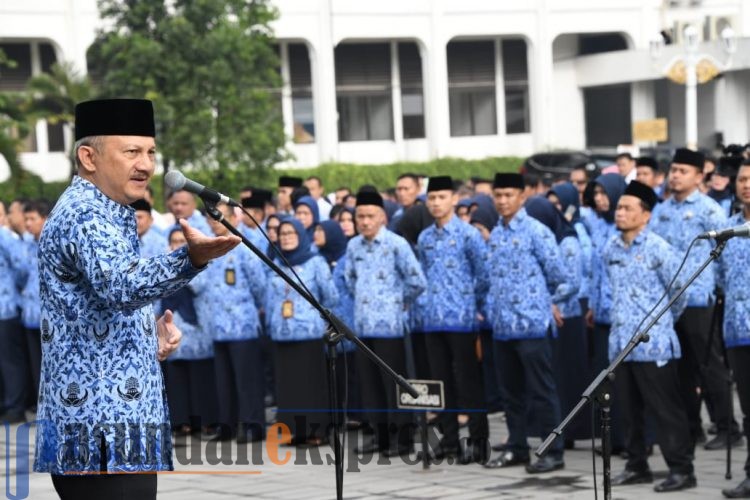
81 184
636 241
692 198
517 219
451 226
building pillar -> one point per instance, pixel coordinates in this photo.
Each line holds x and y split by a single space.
323 73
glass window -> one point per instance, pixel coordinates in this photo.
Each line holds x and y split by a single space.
412 95
303 110
363 92
471 88
515 74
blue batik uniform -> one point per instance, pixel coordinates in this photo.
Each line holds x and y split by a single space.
526 276
200 222
29 277
587 260
734 277
196 343
255 237
10 263
453 259
573 264
638 274
99 338
344 308
305 322
229 294
153 243
385 277
678 223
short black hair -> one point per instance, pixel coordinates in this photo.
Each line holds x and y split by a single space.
409 175
40 206
315 178
624 155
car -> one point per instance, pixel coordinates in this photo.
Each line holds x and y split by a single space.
555 166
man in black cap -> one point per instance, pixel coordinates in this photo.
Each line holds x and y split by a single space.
679 219
640 266
255 204
287 185
526 275
647 172
101 404
453 254
384 278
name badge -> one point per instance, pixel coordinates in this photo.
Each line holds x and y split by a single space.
287 309
229 277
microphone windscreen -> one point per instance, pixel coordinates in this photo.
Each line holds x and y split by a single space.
174 180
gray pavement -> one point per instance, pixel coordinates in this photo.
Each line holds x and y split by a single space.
301 479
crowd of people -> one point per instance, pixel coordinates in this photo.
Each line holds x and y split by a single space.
514 291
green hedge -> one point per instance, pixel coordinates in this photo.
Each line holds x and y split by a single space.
333 175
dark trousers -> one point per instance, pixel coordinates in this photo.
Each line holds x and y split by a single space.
492 395
739 359
572 374
13 366
525 370
239 383
110 486
34 345
392 427
453 359
642 386
191 392
693 330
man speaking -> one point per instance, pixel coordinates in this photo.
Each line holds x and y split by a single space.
102 405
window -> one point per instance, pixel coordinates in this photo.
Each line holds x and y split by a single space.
363 92
303 111
515 74
471 88
412 96
15 78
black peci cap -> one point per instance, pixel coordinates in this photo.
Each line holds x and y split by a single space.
115 117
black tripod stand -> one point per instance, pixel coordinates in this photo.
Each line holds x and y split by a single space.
335 332
600 391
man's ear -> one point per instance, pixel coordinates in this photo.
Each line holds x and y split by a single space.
86 155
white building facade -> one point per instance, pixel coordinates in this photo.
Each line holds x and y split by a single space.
387 81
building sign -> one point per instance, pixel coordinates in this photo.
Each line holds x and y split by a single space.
651 130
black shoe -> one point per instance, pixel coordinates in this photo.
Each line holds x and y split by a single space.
719 442
632 477
13 418
499 447
570 444
479 453
507 459
676 482
742 490
545 464
368 447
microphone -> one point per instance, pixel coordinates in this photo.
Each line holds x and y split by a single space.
742 231
176 181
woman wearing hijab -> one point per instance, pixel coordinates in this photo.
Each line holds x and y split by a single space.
297 330
570 347
331 243
345 218
306 211
189 371
485 219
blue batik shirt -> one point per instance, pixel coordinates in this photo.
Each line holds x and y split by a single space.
600 299
153 243
30 307
734 277
229 294
344 308
572 256
639 274
385 278
10 263
305 322
680 222
100 374
527 275
196 343
255 237
587 259
453 259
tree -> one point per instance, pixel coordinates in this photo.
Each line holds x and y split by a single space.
53 97
13 127
210 67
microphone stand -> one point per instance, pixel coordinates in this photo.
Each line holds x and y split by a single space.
335 332
600 389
